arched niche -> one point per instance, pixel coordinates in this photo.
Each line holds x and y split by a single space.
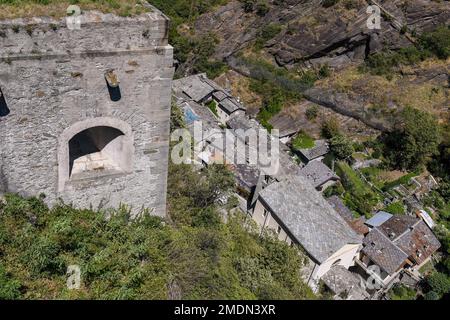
94 148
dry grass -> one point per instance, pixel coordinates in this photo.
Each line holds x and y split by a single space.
408 90
10 9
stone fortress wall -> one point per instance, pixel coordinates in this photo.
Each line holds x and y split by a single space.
66 129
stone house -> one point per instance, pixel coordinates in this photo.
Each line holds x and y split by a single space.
400 244
299 215
202 90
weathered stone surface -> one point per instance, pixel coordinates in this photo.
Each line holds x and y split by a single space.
311 31
54 83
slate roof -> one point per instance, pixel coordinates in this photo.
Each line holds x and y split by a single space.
383 252
318 173
344 283
357 224
403 237
320 149
230 105
309 217
340 208
378 219
396 225
246 175
195 87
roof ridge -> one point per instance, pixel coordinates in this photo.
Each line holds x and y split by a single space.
406 231
379 231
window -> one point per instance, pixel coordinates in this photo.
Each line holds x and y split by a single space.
279 230
4 110
265 212
112 82
336 262
95 151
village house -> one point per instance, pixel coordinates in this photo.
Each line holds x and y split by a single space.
316 153
299 215
401 244
202 90
320 176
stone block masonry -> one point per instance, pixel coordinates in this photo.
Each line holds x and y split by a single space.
71 134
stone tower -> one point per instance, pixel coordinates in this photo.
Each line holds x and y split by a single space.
84 113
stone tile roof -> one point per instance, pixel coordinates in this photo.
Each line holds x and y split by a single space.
419 243
320 149
396 225
344 284
195 87
230 105
219 95
309 217
318 173
408 235
341 208
246 175
357 224
378 219
383 252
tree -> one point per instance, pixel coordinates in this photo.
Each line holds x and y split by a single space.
416 139
341 147
330 128
439 283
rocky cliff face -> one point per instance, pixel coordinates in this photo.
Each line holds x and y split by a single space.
313 34
309 34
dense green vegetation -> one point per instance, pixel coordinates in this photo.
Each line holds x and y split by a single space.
358 195
192 254
401 292
414 140
431 44
197 49
277 86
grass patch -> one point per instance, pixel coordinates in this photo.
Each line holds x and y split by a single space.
395 208
10 9
212 105
402 180
358 195
303 141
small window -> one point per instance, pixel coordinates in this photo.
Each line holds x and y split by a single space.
265 213
4 110
112 81
279 230
337 262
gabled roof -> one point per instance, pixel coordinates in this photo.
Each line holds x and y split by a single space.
383 252
230 105
318 173
378 219
320 149
309 217
396 225
419 243
194 86
400 237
